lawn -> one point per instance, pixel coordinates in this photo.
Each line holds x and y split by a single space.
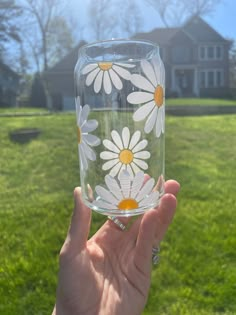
197 273
200 101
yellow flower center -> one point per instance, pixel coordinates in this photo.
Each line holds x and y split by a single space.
126 156
128 204
104 66
79 135
159 95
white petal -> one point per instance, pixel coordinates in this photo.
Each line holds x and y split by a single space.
140 97
143 165
125 65
137 184
84 114
157 68
126 136
103 205
149 125
105 195
107 83
130 171
142 112
110 146
113 186
150 200
142 155
135 168
115 170
142 83
122 72
108 155
122 169
78 112
88 152
116 80
134 139
149 72
91 140
146 190
125 183
141 145
89 126
89 68
117 139
106 166
162 77
83 160
91 76
158 124
98 82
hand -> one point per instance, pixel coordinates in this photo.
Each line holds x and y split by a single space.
111 272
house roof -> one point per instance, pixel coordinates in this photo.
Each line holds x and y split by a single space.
158 35
201 31
196 28
67 63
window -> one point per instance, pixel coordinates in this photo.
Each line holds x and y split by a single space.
210 52
211 78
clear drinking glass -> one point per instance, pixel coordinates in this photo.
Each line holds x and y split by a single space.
120 109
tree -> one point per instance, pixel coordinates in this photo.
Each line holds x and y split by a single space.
102 19
106 23
43 27
130 19
175 12
9 13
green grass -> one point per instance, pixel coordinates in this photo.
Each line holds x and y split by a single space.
197 272
22 110
199 101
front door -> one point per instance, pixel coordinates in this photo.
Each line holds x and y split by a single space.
184 82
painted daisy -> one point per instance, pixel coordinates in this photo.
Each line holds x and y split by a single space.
127 193
85 140
152 96
106 74
125 152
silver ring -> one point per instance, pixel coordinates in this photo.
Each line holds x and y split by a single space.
155 255
117 222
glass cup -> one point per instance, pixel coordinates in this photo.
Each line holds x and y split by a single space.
120 110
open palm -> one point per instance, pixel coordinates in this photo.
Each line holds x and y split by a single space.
110 273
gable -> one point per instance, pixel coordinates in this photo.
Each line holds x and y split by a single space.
67 64
201 31
182 38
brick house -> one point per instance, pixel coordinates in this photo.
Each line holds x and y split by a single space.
196 60
9 84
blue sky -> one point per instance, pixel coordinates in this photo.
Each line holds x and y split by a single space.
222 20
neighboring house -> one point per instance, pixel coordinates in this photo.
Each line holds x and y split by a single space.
60 81
9 84
196 60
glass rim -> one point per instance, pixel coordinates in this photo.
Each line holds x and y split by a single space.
116 41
